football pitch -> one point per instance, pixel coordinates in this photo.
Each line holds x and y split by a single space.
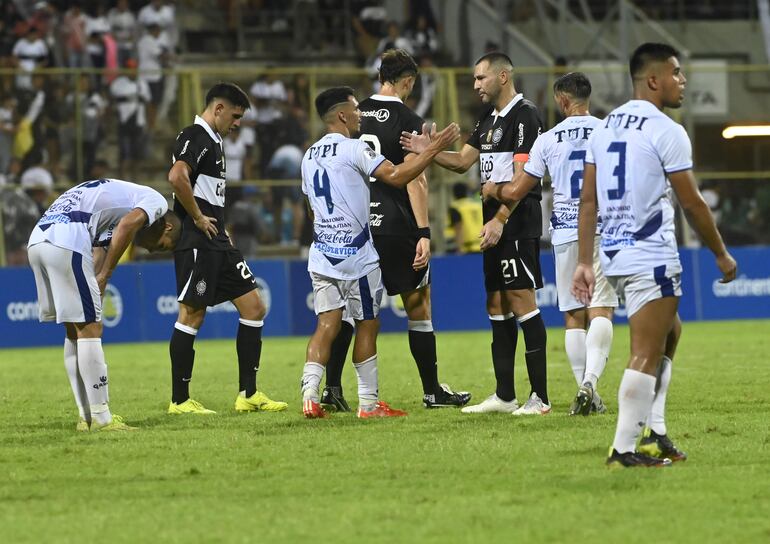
435 476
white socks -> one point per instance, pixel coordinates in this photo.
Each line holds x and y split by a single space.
635 396
76 383
311 381
93 371
598 345
368 388
575 346
656 420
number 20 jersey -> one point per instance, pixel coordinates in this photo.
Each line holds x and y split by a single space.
201 148
335 178
634 149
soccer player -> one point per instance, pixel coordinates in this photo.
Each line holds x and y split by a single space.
633 160
561 150
73 250
401 231
501 142
209 269
343 263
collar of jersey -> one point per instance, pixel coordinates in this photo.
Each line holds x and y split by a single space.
510 105
199 121
385 98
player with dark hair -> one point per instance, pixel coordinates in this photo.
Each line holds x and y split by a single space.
343 263
401 231
501 142
561 150
633 160
209 269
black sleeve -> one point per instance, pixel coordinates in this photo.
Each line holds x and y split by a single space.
528 128
412 122
188 148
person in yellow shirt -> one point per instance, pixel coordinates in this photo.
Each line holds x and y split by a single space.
465 221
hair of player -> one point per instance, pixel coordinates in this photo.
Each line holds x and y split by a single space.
498 60
575 84
230 92
328 99
648 53
396 64
149 236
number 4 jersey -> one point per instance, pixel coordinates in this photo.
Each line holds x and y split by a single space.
201 148
635 149
335 178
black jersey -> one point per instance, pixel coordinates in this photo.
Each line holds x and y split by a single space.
201 148
383 118
501 139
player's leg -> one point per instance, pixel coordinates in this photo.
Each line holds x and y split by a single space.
523 304
575 342
422 344
318 351
332 396
655 441
76 382
650 324
504 336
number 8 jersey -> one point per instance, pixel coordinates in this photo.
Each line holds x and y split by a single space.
335 178
634 149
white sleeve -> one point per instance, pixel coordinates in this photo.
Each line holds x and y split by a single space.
364 159
535 165
154 205
589 149
674 148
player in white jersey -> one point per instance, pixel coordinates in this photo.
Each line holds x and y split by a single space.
343 264
73 250
634 158
561 151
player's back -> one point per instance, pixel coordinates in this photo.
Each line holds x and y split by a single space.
562 151
335 173
383 118
86 215
634 149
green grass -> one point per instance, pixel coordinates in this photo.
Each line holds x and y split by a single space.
436 476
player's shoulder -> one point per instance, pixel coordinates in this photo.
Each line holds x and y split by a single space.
193 131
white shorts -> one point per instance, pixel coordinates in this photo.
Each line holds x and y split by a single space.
361 297
67 291
639 289
566 259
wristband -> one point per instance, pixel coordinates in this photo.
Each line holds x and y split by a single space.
423 232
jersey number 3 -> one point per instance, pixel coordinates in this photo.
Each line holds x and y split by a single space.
322 188
619 171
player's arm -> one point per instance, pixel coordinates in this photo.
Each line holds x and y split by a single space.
699 217
98 254
456 161
513 191
583 278
124 232
179 178
400 175
418 199
492 230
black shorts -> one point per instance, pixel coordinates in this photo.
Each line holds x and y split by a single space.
512 265
207 278
396 257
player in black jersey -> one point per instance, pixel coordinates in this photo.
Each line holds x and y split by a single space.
399 224
510 237
209 269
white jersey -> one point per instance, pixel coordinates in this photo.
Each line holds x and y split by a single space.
86 215
562 151
634 149
335 178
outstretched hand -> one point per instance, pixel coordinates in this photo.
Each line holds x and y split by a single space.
417 143
446 137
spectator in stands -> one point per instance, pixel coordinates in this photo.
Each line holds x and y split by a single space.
421 99
37 182
154 54
238 146
422 37
162 14
284 164
465 221
131 95
245 223
92 108
74 37
27 138
123 27
30 52
7 131
19 216
270 96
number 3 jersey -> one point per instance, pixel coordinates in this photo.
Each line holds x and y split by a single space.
201 148
562 151
634 149
502 138
383 118
335 178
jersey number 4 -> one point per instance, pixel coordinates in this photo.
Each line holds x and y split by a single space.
322 188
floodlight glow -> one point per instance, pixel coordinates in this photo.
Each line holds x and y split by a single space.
745 130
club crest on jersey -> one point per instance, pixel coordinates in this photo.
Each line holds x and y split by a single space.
200 287
370 152
497 135
489 136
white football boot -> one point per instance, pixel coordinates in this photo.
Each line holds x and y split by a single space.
533 407
493 403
